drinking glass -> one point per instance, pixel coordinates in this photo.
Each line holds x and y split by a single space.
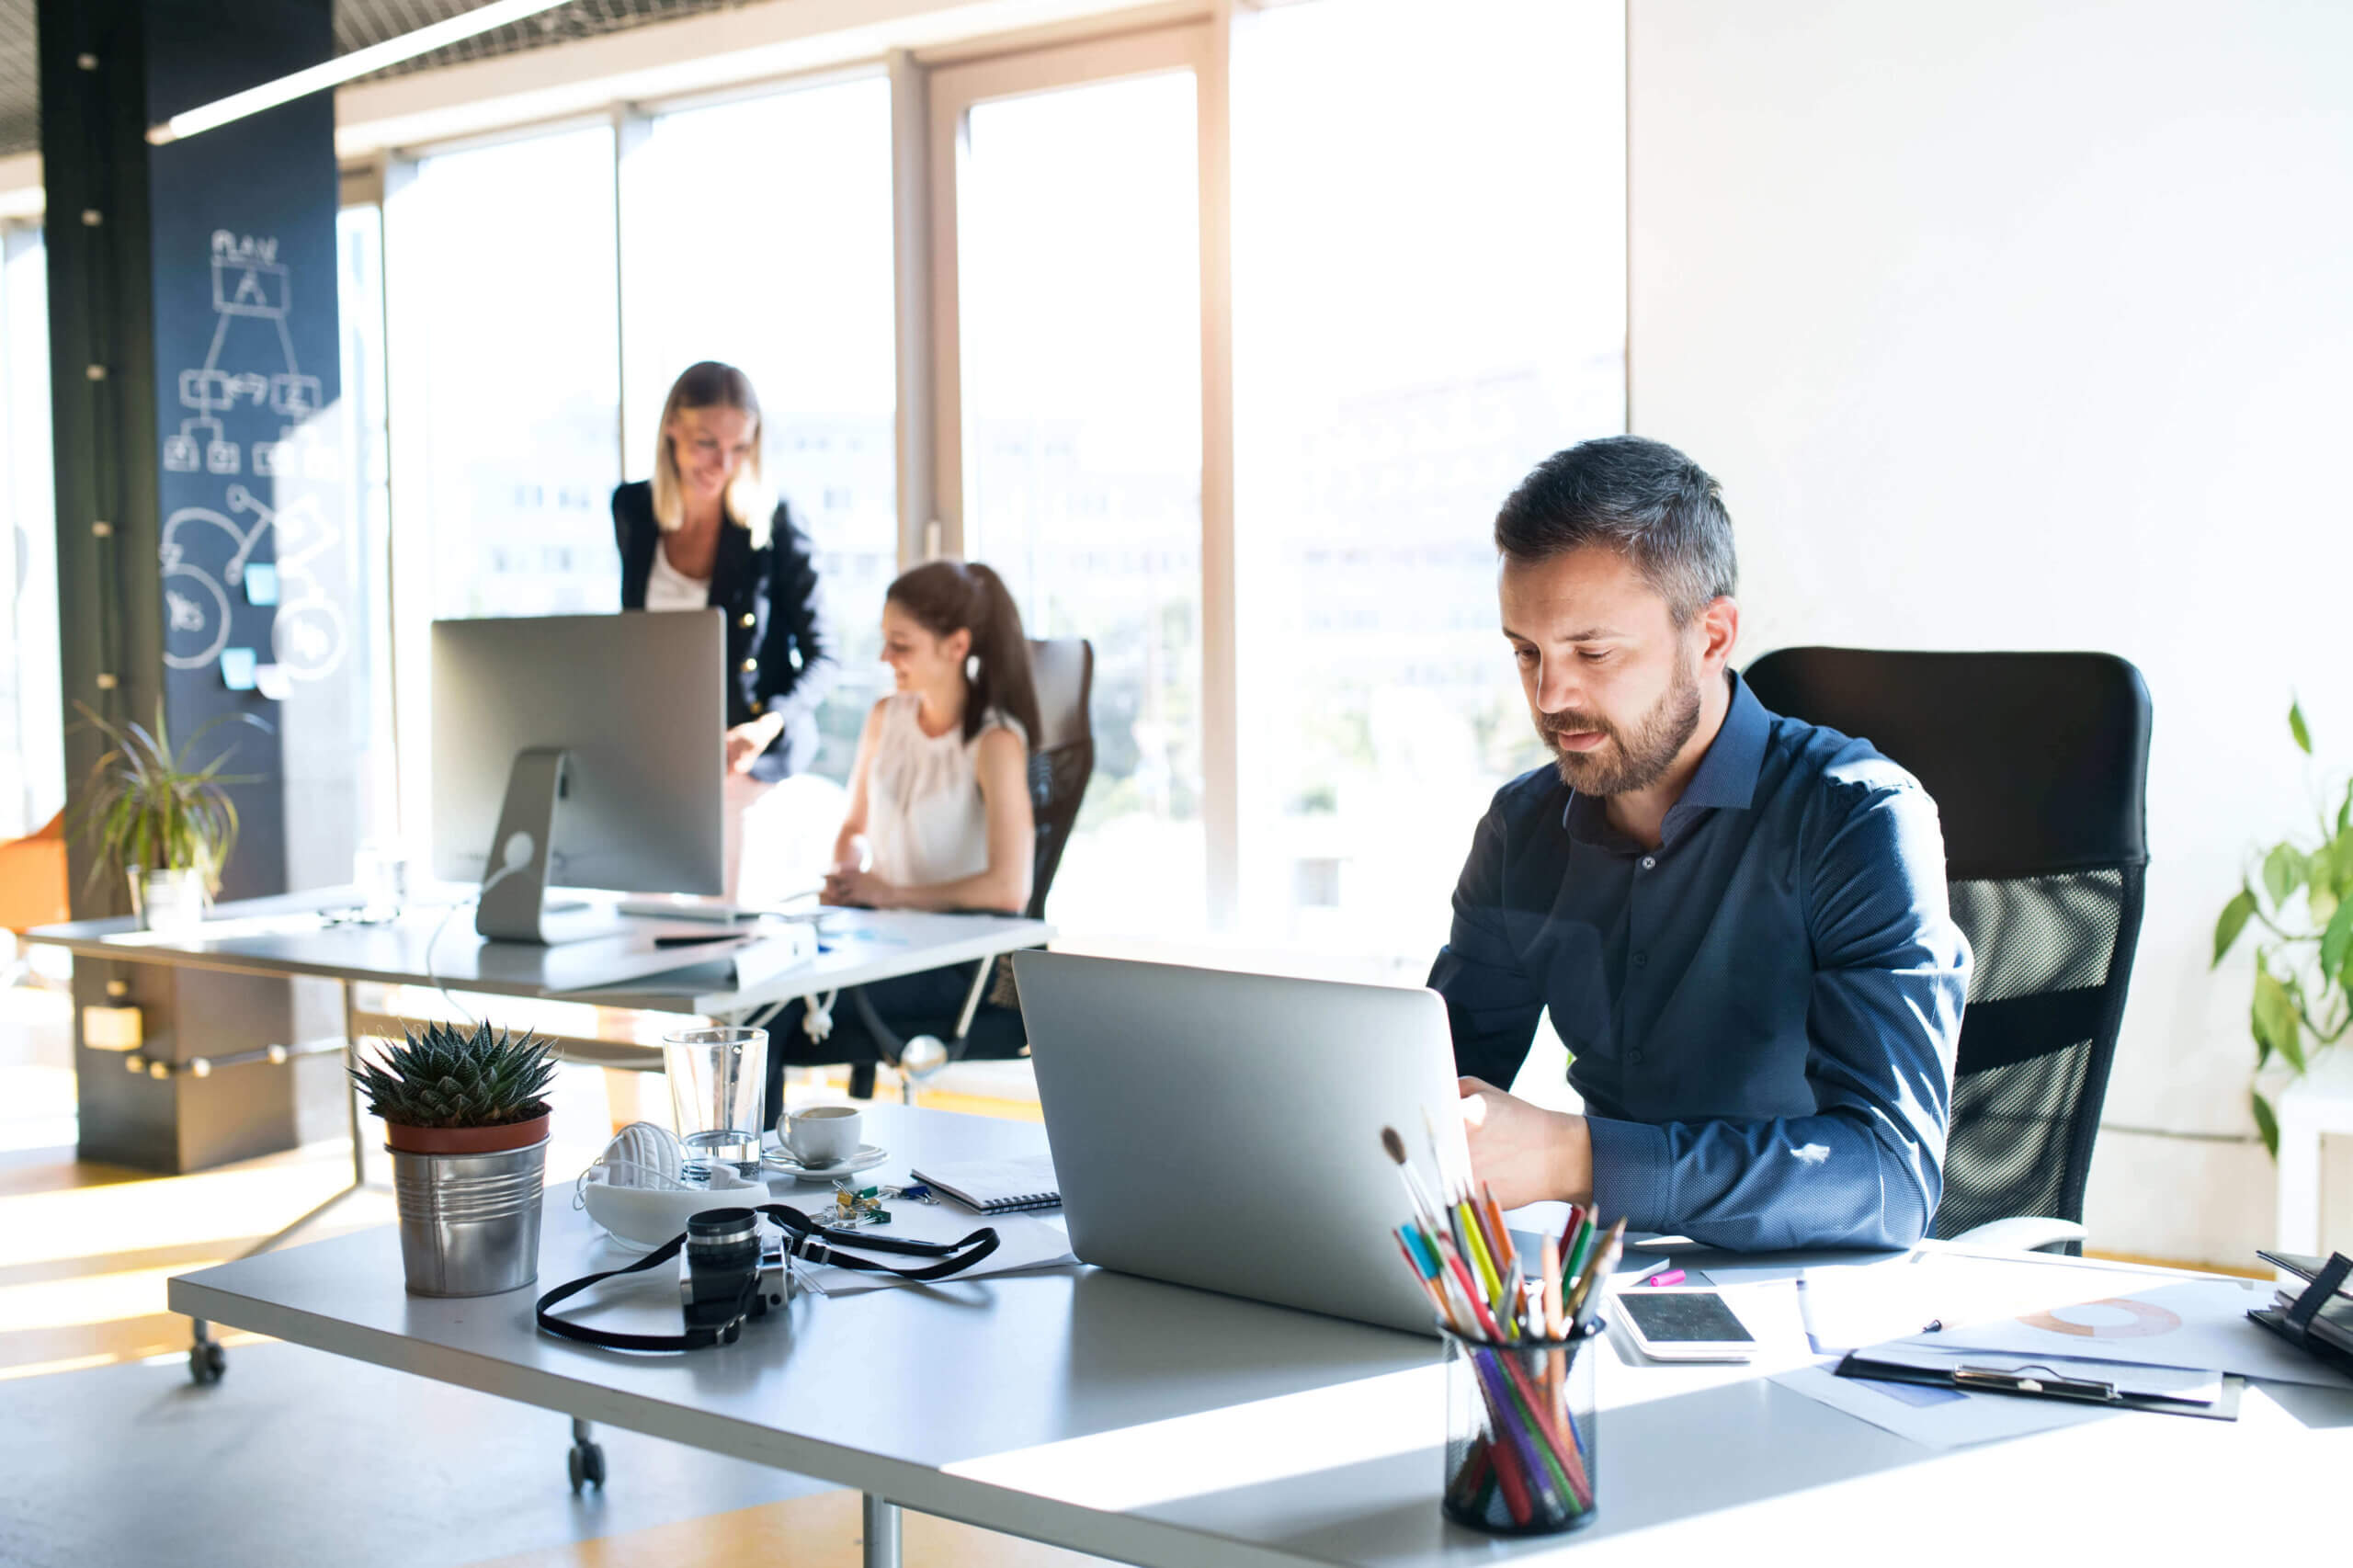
717 1076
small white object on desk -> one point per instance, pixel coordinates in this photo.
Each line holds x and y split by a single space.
784 1162
997 1187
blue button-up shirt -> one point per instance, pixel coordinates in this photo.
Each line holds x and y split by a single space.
1760 1014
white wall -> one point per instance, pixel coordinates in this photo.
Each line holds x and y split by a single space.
2029 324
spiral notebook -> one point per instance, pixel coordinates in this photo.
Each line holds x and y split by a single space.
997 1187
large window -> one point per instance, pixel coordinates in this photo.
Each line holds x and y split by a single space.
502 278
1429 277
1259 477
32 758
365 435
1078 283
758 232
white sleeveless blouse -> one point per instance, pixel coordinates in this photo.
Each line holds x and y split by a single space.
925 816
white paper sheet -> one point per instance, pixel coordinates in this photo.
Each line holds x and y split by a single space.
1849 1306
2199 1324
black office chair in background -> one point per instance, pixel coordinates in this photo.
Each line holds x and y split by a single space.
2039 765
1061 763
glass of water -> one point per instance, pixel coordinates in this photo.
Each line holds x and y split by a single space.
717 1076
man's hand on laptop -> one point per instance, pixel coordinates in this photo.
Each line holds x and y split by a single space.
1526 1153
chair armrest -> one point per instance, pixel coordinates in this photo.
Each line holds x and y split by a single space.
2027 1233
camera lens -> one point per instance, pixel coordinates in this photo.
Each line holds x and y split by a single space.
723 1265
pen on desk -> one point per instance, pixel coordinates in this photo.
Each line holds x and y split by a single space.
1671 1277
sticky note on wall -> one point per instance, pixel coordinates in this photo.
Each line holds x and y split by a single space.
261 583
237 669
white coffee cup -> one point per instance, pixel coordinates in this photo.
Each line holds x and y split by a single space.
821 1135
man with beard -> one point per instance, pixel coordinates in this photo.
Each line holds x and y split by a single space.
1738 920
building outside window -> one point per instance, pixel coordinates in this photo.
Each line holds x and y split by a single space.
1429 277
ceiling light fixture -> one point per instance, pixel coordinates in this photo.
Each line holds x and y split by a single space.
344 68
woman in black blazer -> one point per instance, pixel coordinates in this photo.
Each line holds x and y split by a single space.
705 532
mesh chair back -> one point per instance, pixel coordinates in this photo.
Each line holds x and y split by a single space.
2039 765
1064 757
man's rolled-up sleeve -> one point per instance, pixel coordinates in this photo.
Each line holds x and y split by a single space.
1883 1020
1491 1002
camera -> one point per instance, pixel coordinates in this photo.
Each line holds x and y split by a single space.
724 1283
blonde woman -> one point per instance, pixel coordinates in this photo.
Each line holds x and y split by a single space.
705 532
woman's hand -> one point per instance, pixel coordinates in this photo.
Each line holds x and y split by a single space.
852 884
746 743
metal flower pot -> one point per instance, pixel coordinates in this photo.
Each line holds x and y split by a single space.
470 1218
169 901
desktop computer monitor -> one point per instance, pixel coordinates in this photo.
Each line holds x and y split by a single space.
577 751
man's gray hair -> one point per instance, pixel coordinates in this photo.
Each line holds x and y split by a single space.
1641 499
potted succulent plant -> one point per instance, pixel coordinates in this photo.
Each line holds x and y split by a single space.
467 1126
2301 902
168 825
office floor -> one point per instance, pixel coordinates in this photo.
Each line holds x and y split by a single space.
109 1454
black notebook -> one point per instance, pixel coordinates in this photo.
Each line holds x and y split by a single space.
997 1187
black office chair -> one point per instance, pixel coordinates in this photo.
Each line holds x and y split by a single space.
2039 764
1061 763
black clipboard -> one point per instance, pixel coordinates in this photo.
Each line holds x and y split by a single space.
2027 1376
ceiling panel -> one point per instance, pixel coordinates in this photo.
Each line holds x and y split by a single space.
357 23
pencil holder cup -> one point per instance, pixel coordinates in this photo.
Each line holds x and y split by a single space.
1522 1444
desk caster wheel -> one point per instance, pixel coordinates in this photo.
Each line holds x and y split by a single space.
206 1362
587 1464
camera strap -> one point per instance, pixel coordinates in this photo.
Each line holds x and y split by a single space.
803 1238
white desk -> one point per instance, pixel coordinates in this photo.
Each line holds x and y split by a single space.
1160 1426
287 936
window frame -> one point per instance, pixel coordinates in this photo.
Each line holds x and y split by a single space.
952 91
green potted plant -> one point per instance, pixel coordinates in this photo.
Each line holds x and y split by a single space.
2300 899
166 823
467 1126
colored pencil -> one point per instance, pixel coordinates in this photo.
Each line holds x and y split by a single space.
1595 1283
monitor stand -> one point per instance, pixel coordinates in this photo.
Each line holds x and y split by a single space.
513 905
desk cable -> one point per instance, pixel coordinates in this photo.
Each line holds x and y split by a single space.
517 856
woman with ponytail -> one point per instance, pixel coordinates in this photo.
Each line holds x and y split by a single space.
939 810
939 796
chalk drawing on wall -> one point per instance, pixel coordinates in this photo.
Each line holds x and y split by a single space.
249 283
306 633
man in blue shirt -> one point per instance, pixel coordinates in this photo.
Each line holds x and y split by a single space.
1738 920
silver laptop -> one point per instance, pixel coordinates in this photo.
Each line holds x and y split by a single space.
1223 1129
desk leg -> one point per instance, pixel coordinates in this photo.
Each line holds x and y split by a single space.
206 1359
351 1111
881 1532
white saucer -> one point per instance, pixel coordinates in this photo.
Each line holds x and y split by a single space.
785 1162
